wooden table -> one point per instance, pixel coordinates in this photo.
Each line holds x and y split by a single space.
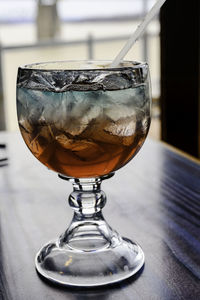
155 200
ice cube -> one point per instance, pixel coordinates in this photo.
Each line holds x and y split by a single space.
66 112
93 113
113 81
41 141
77 125
53 110
75 128
83 149
117 112
60 80
123 127
30 106
140 97
96 131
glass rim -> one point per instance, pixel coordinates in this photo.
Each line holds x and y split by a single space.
125 64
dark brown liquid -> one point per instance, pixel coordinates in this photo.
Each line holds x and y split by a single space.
92 153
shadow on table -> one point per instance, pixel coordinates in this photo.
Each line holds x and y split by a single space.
97 293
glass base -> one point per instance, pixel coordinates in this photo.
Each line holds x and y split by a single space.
74 267
89 253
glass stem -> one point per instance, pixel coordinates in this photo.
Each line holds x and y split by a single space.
89 252
88 227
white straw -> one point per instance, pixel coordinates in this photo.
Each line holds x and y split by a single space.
134 37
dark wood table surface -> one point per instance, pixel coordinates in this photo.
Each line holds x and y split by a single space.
154 200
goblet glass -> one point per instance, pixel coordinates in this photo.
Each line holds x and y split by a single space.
84 120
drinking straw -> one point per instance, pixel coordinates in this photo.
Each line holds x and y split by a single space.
138 32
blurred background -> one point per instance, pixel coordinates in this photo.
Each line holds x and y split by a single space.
43 30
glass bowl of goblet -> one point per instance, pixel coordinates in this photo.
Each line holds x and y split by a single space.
85 120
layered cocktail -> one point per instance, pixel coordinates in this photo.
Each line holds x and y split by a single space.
83 123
